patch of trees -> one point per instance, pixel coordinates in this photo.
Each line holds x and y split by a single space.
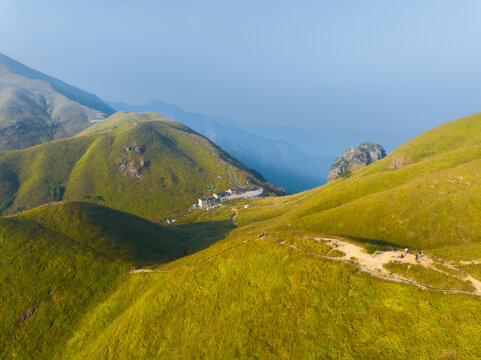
6 204
346 174
56 193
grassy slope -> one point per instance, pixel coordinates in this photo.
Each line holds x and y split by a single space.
431 201
243 298
261 300
59 261
233 299
28 75
32 115
182 164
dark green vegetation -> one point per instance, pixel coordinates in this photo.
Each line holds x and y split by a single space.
56 193
35 108
143 164
238 294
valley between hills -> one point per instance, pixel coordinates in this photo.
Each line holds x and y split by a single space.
384 261
322 273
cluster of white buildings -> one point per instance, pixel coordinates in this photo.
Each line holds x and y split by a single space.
231 194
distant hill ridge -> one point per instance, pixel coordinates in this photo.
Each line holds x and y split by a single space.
73 93
140 163
279 161
35 108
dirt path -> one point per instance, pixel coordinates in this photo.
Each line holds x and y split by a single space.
235 216
374 264
136 271
229 174
354 255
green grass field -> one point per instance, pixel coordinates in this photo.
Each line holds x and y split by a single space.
430 202
58 261
217 289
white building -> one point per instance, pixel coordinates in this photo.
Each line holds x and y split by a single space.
207 202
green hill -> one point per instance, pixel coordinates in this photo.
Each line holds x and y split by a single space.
140 163
264 300
35 108
301 290
60 260
425 194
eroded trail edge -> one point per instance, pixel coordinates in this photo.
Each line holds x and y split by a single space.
373 264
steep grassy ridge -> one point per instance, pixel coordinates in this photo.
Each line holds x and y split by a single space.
95 166
271 296
424 195
280 161
68 294
58 261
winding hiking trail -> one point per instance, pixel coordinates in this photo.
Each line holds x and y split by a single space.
354 255
234 216
357 257
374 264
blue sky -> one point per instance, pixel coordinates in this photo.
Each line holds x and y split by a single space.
385 66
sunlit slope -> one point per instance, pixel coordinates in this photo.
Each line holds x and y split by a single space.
143 164
425 194
59 260
248 298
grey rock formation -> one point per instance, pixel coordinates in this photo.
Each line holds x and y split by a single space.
355 158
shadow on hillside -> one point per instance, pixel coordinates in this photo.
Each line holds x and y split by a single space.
203 234
168 243
123 237
373 242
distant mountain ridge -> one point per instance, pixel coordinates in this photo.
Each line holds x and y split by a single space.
73 93
279 161
35 108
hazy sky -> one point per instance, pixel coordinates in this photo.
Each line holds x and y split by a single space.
386 65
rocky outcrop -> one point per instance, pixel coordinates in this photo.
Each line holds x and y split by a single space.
137 149
355 158
128 166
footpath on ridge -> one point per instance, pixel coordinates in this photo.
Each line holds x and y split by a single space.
372 264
